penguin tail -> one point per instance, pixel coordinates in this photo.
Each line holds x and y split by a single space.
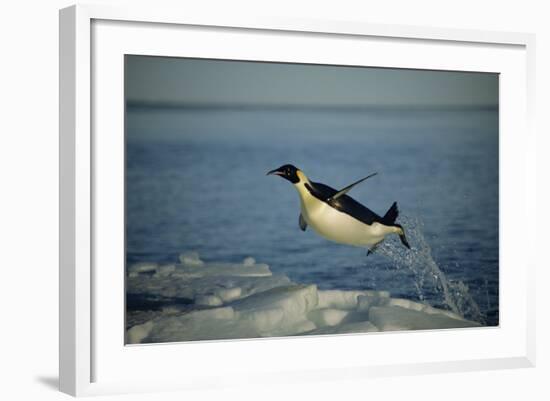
389 219
402 236
391 215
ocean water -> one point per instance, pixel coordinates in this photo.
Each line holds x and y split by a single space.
196 181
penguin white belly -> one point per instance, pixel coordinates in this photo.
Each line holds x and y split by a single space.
341 227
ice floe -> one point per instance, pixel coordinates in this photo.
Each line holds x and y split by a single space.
196 300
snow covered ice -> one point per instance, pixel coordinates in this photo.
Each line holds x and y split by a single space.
195 300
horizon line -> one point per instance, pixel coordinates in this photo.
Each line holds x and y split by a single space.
146 104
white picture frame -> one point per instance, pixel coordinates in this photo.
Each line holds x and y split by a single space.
88 366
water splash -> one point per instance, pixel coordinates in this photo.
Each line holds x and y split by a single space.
429 279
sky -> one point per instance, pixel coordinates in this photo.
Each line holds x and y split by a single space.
170 80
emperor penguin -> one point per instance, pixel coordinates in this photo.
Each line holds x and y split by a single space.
337 216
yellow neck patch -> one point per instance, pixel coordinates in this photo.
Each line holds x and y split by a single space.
301 176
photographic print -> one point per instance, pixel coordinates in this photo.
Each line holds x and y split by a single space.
269 199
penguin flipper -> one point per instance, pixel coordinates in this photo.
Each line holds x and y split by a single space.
349 187
302 223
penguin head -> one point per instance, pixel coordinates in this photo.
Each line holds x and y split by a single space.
288 172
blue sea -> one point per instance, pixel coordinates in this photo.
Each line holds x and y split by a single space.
196 181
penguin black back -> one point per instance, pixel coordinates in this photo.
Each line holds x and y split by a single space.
345 204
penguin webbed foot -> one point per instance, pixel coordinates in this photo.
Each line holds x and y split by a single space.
372 249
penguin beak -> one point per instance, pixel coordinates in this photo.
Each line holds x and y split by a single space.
275 172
